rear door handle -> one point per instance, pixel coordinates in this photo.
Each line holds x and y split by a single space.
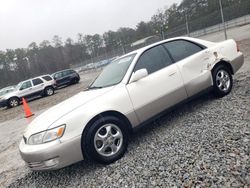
172 74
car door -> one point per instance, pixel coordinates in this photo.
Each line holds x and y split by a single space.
67 76
192 60
38 85
59 78
26 89
161 89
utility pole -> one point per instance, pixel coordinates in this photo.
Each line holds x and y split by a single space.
187 24
162 33
222 19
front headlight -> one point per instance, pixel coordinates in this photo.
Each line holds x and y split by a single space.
47 136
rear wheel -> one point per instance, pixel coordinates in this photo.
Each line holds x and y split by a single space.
222 80
75 81
48 91
13 102
106 140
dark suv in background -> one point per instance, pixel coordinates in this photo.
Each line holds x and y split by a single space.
66 77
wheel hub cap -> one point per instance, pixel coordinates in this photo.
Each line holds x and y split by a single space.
108 140
223 80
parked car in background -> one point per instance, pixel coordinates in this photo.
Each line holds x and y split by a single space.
43 85
66 77
132 90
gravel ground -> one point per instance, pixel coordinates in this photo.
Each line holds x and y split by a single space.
204 143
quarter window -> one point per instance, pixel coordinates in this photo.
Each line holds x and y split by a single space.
37 81
153 60
47 78
181 49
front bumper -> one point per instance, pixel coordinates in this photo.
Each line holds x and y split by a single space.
52 155
237 62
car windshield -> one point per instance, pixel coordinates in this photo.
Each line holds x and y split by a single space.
113 73
19 85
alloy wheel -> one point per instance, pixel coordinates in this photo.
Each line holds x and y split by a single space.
108 140
223 81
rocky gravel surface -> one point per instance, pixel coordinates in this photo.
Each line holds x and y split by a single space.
204 143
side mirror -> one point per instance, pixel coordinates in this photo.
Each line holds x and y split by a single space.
139 74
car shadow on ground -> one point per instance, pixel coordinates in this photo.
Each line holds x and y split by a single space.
84 168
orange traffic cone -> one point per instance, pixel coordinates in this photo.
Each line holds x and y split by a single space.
26 108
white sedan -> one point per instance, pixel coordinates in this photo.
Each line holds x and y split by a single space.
132 90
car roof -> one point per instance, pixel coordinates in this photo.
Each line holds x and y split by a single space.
62 71
141 50
35 77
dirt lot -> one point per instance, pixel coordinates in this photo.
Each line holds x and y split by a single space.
44 103
205 143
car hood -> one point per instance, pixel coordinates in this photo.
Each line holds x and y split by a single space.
47 118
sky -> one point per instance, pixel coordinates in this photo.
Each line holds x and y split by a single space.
26 21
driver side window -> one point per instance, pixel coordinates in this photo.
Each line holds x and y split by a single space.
153 60
26 85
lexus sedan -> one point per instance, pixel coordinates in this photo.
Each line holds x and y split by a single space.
132 90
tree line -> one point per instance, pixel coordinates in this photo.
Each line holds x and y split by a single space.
50 56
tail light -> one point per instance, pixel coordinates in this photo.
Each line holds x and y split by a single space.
238 47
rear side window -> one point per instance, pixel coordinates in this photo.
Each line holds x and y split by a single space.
181 49
47 78
153 60
37 81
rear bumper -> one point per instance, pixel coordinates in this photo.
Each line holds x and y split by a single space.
51 156
237 62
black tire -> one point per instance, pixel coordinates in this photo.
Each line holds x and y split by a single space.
13 102
89 145
75 81
222 85
48 91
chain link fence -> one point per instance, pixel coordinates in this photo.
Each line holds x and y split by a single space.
195 30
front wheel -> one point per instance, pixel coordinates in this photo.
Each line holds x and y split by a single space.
106 140
13 102
222 80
